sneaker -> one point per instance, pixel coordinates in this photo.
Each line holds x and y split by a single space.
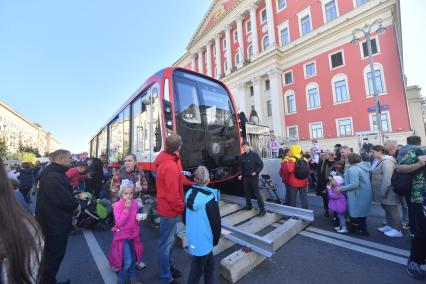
247 208
141 265
385 228
337 228
175 273
261 213
413 269
342 231
394 233
405 226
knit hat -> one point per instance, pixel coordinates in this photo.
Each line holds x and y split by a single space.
339 180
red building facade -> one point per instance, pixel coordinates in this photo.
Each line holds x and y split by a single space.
292 61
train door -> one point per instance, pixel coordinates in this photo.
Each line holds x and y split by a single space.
141 125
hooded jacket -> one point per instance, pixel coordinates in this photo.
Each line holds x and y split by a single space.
202 219
55 201
381 181
358 189
295 151
169 182
126 228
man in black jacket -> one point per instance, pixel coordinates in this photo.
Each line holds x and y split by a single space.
251 166
55 207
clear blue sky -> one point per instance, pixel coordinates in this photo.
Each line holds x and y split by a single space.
69 65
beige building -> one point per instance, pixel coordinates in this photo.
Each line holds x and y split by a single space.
17 131
295 63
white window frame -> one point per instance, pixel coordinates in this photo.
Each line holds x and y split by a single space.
248 51
312 85
214 51
263 46
338 128
235 36
237 54
286 107
261 21
288 132
337 78
356 5
300 16
382 74
225 65
224 44
215 72
282 27
282 9
370 118
333 53
324 15
304 69
310 130
292 77
246 24
376 38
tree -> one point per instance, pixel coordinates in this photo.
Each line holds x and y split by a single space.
3 149
29 149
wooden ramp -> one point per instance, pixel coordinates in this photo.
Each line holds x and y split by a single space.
243 227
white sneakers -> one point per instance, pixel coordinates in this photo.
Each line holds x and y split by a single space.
385 228
342 230
394 233
390 232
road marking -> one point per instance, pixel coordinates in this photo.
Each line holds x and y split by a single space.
101 261
372 252
401 252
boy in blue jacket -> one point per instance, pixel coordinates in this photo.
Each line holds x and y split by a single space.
203 226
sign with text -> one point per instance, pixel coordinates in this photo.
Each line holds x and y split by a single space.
382 107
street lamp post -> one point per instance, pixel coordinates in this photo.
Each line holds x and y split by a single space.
366 30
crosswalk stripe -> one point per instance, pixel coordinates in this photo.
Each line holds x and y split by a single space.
372 252
101 261
401 252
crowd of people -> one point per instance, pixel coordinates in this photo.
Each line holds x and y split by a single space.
391 175
33 249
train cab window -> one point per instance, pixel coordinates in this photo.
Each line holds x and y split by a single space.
189 106
218 107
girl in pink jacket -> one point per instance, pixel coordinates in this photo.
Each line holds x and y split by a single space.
126 248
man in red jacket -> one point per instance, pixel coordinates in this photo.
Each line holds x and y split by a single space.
170 206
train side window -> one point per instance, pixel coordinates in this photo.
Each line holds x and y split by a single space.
156 139
189 106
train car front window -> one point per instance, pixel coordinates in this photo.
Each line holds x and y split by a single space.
217 104
189 107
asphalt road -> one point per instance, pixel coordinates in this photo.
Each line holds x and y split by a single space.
317 255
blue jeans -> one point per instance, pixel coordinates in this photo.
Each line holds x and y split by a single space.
168 226
128 270
342 220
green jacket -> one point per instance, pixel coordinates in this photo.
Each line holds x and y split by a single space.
418 189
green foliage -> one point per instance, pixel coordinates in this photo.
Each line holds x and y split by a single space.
13 156
28 157
3 150
29 149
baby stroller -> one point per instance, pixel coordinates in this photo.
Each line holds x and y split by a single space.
270 189
93 213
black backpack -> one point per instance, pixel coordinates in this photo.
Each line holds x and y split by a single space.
302 168
402 182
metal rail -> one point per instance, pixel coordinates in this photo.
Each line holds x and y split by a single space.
287 211
253 241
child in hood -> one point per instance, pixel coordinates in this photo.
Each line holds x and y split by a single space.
126 248
337 201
